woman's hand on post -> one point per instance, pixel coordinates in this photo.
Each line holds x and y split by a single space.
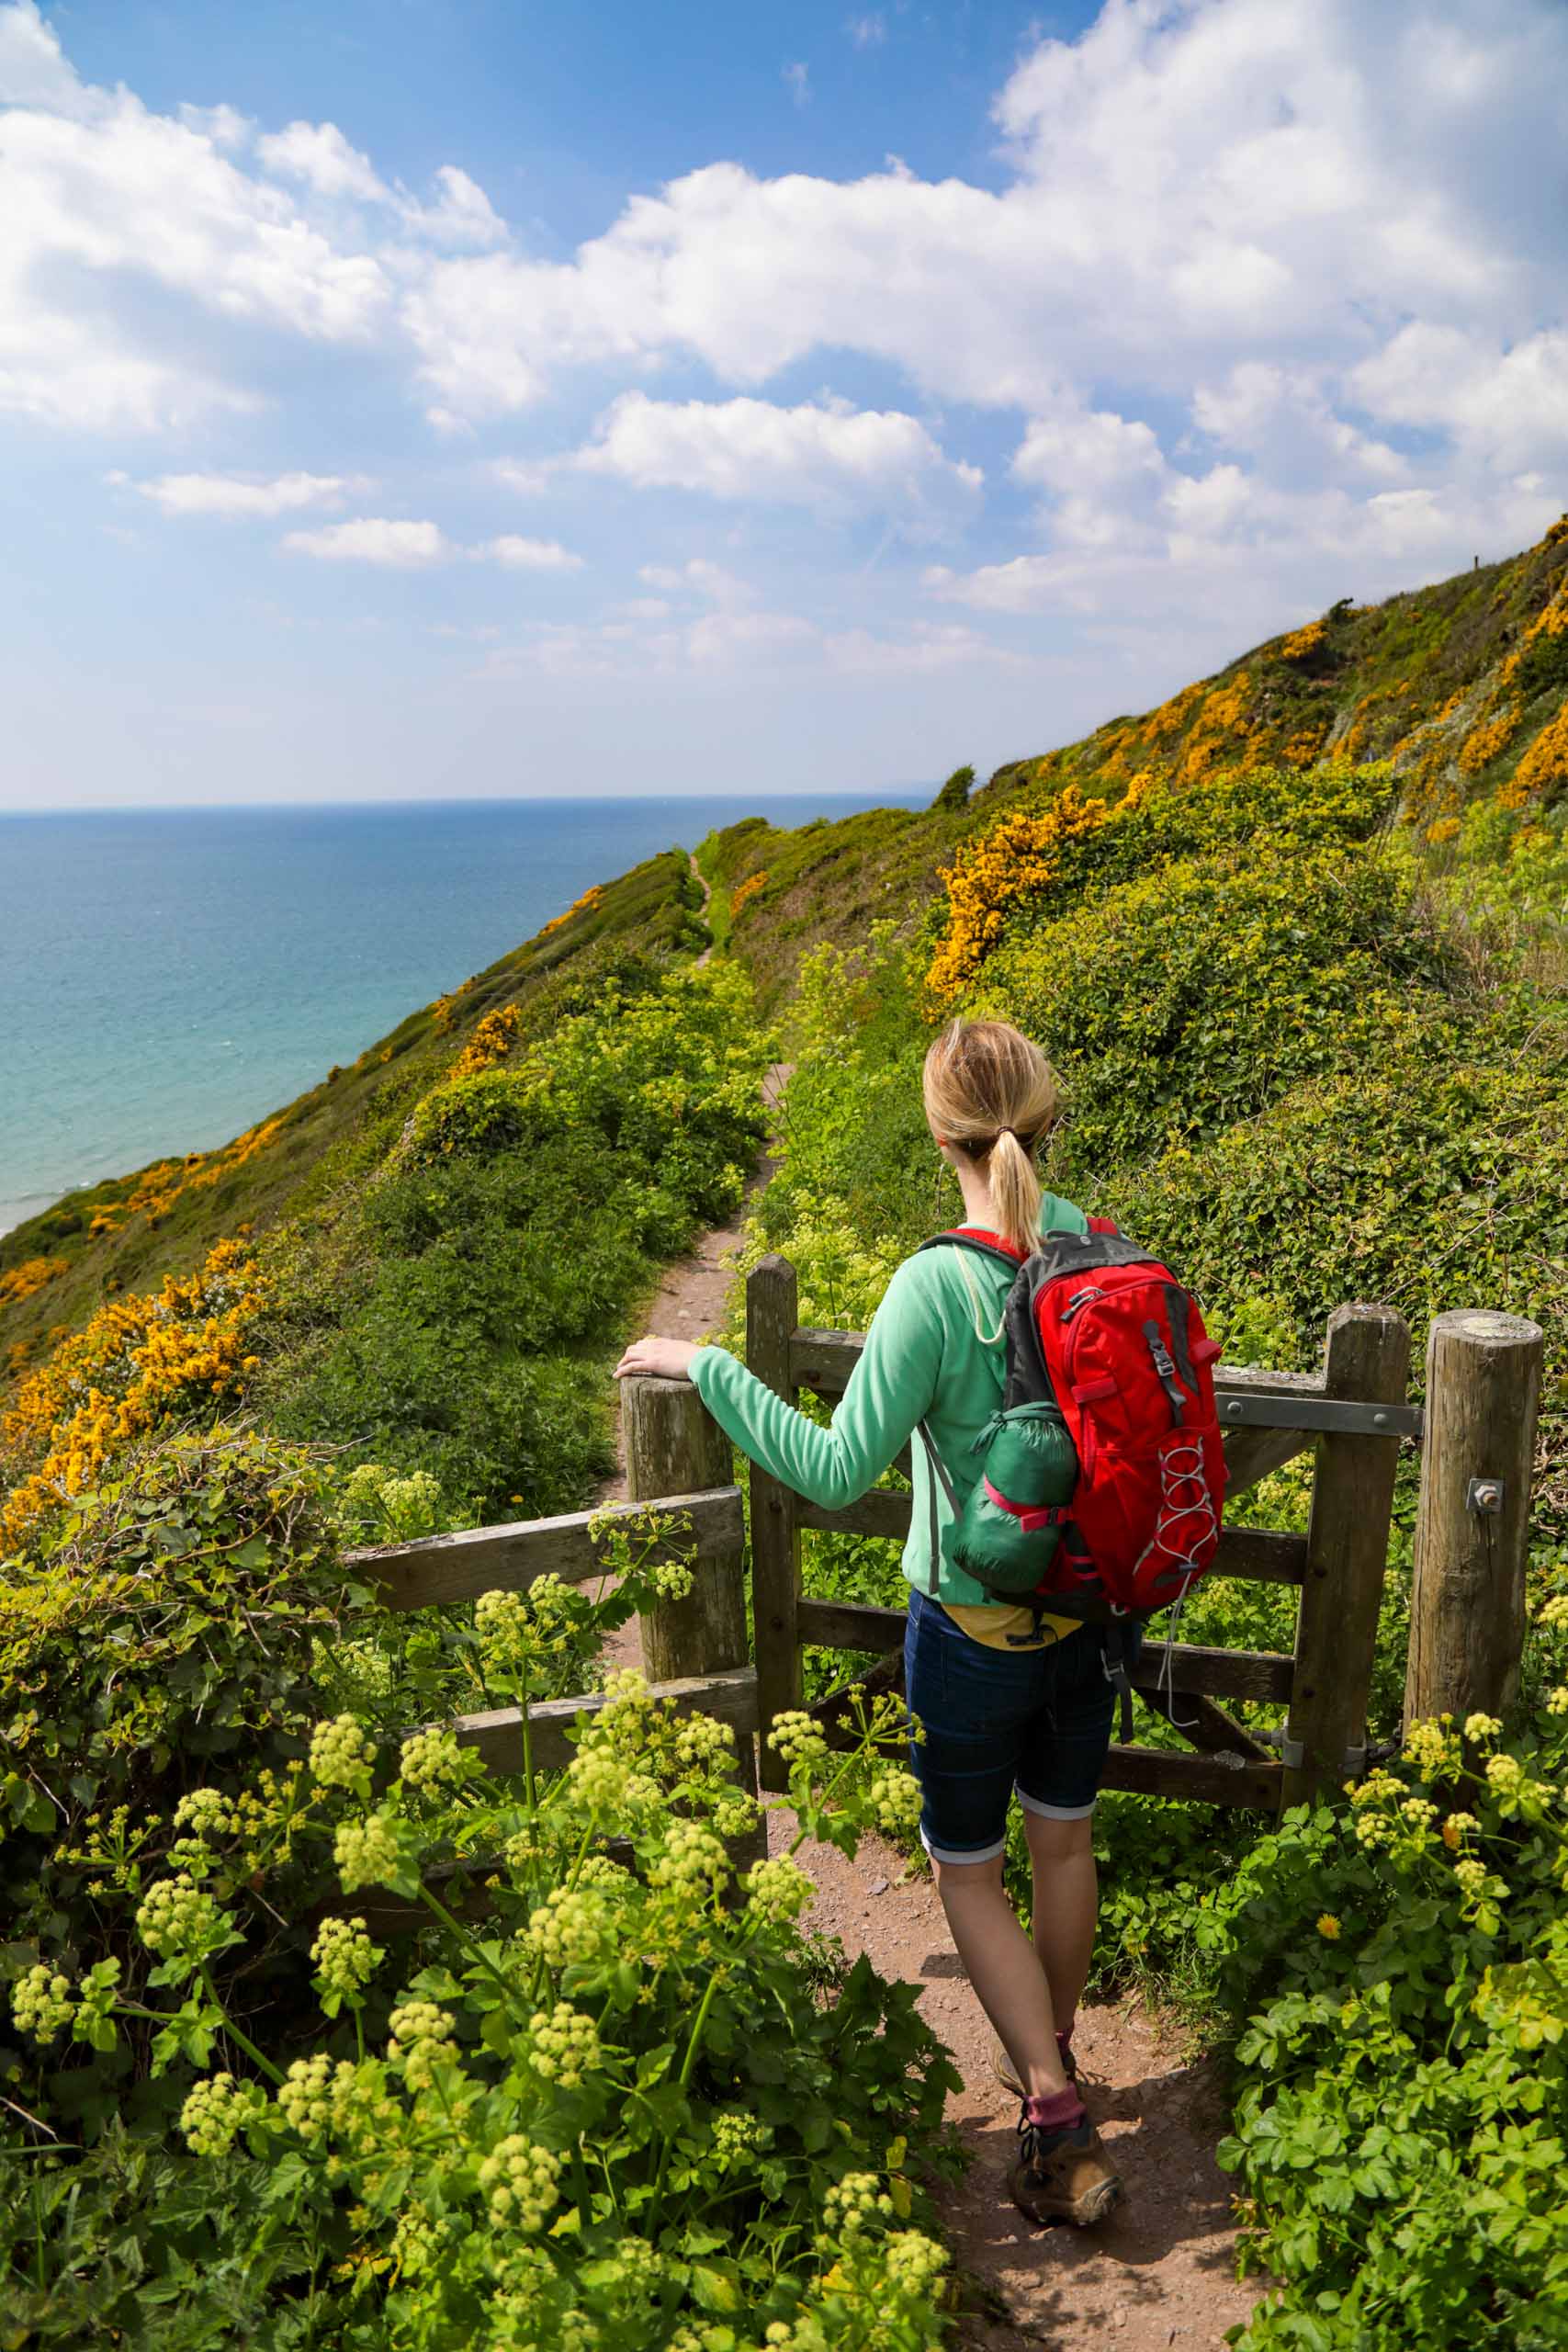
665 1359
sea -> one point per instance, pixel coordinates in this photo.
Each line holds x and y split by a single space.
168 977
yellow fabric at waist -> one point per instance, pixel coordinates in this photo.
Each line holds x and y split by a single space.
1000 1627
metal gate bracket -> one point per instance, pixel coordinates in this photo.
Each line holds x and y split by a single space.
1252 1408
1486 1495
1292 1754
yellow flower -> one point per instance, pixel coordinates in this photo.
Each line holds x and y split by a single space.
1328 1927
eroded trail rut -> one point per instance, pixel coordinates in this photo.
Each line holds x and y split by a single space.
1160 2273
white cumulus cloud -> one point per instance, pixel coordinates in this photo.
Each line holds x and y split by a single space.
236 496
529 555
403 546
815 455
318 153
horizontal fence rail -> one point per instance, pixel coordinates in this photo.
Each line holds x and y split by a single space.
1259 1553
436 1570
1268 1417
497 1736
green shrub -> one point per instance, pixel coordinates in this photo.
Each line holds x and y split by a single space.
455 1315
168 1640
1403 2111
1181 1002
1428 1185
636 2108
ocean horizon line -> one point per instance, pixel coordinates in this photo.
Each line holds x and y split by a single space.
452 800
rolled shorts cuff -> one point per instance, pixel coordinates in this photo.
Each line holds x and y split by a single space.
972 1854
1055 1812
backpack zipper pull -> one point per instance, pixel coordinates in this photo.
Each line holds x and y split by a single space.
1079 1298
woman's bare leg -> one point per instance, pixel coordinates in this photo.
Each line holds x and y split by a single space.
1067 1897
1001 1965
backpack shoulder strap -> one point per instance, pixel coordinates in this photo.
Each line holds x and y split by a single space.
972 1241
939 1474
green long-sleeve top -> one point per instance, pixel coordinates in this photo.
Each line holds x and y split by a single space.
935 1352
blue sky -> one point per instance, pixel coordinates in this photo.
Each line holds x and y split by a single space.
446 397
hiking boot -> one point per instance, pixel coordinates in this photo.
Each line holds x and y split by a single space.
1062 2176
1007 2073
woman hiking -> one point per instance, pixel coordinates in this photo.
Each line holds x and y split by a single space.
1008 1699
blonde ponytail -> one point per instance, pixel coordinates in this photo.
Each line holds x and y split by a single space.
1015 1190
992 1093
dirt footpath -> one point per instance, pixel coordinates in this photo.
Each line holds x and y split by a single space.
1160 2272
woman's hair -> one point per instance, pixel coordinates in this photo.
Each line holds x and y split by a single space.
990 1091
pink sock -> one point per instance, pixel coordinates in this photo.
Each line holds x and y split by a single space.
1060 2112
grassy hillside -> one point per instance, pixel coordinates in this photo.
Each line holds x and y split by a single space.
130 1231
425 1262
1461 688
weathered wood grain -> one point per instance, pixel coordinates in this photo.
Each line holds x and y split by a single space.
674 1446
1467 1607
771 1316
442 1569
1367 1356
497 1735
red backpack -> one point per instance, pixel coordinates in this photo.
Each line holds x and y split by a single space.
1108 1334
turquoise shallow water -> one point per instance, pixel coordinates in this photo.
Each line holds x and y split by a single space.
167 976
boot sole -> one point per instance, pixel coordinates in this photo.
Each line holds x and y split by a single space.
1087 2214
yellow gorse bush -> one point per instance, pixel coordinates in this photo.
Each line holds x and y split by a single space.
1019 856
158 1188
583 906
746 891
30 1277
1303 643
1483 743
492 1041
1544 767
138 1358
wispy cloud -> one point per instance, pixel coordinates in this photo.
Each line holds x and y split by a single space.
403 546
237 497
411 545
529 555
798 81
869 31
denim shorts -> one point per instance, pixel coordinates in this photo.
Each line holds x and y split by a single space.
1037 1721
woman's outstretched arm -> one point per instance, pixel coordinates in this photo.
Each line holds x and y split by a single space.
889 1390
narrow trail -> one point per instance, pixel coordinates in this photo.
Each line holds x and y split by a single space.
1157 2275
708 901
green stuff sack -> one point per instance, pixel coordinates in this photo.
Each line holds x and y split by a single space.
1010 1525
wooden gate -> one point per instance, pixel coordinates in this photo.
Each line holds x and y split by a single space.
1484 1375
1353 1411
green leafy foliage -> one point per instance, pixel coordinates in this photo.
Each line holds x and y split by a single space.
954 793
633 2106
447 1319
1403 2109
1183 1000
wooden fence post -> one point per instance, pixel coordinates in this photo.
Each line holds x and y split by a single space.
1368 1359
771 1313
675 1447
1467 1607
